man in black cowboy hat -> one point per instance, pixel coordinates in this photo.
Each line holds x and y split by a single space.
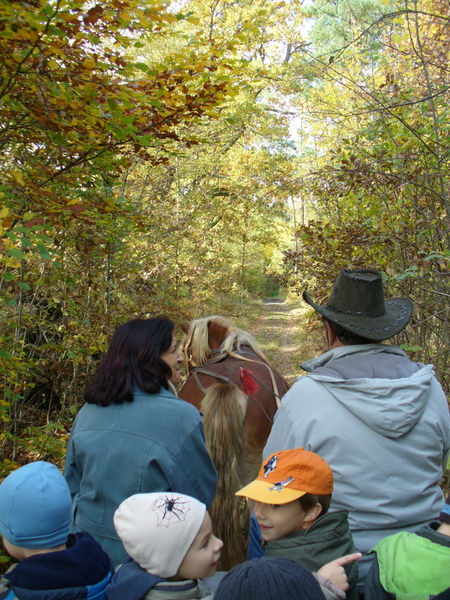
380 420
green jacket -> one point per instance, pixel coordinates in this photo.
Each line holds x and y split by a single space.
327 539
410 566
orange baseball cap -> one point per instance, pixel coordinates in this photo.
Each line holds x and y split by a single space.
288 475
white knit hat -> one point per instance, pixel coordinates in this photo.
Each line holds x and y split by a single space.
158 529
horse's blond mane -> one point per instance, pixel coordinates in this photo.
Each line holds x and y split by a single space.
197 338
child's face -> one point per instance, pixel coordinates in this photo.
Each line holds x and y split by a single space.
203 556
279 520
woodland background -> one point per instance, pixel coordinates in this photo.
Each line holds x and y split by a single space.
189 157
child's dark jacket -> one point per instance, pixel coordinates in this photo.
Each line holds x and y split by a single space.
410 566
82 571
328 538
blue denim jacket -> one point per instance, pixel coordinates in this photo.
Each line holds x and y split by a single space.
153 444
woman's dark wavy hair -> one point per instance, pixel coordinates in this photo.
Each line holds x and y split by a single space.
134 355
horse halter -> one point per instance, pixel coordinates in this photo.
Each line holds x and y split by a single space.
189 362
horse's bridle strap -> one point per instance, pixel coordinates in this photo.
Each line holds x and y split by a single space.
226 380
274 383
211 374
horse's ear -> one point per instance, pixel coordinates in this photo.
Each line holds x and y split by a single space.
217 333
184 326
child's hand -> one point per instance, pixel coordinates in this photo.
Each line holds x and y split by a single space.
335 572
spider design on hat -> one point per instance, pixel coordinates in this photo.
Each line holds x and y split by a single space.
281 484
169 509
270 466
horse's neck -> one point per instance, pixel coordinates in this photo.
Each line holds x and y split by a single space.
244 353
217 355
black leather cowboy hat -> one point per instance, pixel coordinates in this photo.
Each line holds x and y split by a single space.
357 304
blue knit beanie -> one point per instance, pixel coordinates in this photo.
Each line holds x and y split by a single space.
35 507
269 578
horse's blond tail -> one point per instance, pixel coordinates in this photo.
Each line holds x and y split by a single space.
224 407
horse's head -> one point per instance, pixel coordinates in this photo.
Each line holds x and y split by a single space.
203 336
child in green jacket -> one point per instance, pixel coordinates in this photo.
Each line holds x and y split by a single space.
412 566
290 517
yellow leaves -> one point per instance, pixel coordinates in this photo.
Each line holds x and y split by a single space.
26 34
66 16
124 17
53 49
6 220
89 63
169 18
17 176
144 21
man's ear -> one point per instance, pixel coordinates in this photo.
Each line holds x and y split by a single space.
332 339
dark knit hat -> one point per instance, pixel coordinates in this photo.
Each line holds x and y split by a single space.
445 514
269 578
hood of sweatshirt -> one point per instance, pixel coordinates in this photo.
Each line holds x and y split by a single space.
81 571
377 383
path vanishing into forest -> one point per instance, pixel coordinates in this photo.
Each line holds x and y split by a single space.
286 336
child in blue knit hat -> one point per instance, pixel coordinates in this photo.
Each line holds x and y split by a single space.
35 513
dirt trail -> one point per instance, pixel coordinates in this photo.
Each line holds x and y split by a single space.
286 336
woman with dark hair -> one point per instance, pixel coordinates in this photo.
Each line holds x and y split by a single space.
134 435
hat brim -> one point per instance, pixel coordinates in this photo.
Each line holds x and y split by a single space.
269 493
397 316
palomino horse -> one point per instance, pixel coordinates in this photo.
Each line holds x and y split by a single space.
232 383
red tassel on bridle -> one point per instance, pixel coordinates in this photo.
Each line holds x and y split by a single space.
248 382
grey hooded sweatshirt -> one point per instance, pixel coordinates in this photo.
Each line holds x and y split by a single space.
382 423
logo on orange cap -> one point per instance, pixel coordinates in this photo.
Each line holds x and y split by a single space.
288 475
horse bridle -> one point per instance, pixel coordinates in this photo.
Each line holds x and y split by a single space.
239 355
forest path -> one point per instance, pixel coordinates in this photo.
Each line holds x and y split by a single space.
286 336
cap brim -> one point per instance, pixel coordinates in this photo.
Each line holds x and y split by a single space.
269 493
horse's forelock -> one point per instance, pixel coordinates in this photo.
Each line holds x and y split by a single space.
197 341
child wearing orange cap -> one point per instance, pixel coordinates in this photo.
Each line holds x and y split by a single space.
290 517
